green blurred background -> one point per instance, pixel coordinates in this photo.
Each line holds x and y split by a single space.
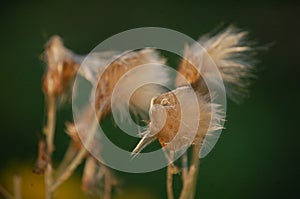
257 155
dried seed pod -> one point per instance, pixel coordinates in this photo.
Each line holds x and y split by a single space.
111 68
116 70
176 122
61 67
230 52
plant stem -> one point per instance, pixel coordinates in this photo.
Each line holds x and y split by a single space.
184 166
78 158
49 132
195 164
170 182
107 184
69 155
5 193
170 172
17 187
50 128
189 183
69 170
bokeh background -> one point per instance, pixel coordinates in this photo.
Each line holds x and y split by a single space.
257 155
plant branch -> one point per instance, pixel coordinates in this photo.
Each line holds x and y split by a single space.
189 183
17 187
69 170
5 193
195 164
184 166
68 157
107 183
170 181
170 173
49 131
77 159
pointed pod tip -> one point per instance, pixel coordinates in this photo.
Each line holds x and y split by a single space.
144 142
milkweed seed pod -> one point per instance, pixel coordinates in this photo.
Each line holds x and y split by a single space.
174 127
117 69
103 70
61 67
230 52
109 68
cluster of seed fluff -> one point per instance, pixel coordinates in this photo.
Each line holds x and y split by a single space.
230 52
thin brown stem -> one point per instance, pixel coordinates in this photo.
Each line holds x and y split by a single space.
77 159
5 193
184 160
107 184
69 170
49 131
51 119
17 187
170 173
189 183
68 157
195 164
170 192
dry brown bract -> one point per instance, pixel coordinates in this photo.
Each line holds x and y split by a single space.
61 67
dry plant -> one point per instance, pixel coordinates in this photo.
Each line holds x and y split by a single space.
62 66
228 49
232 54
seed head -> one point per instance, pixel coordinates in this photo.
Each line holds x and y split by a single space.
61 67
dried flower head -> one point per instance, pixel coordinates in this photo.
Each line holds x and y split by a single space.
174 122
230 52
61 67
116 70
